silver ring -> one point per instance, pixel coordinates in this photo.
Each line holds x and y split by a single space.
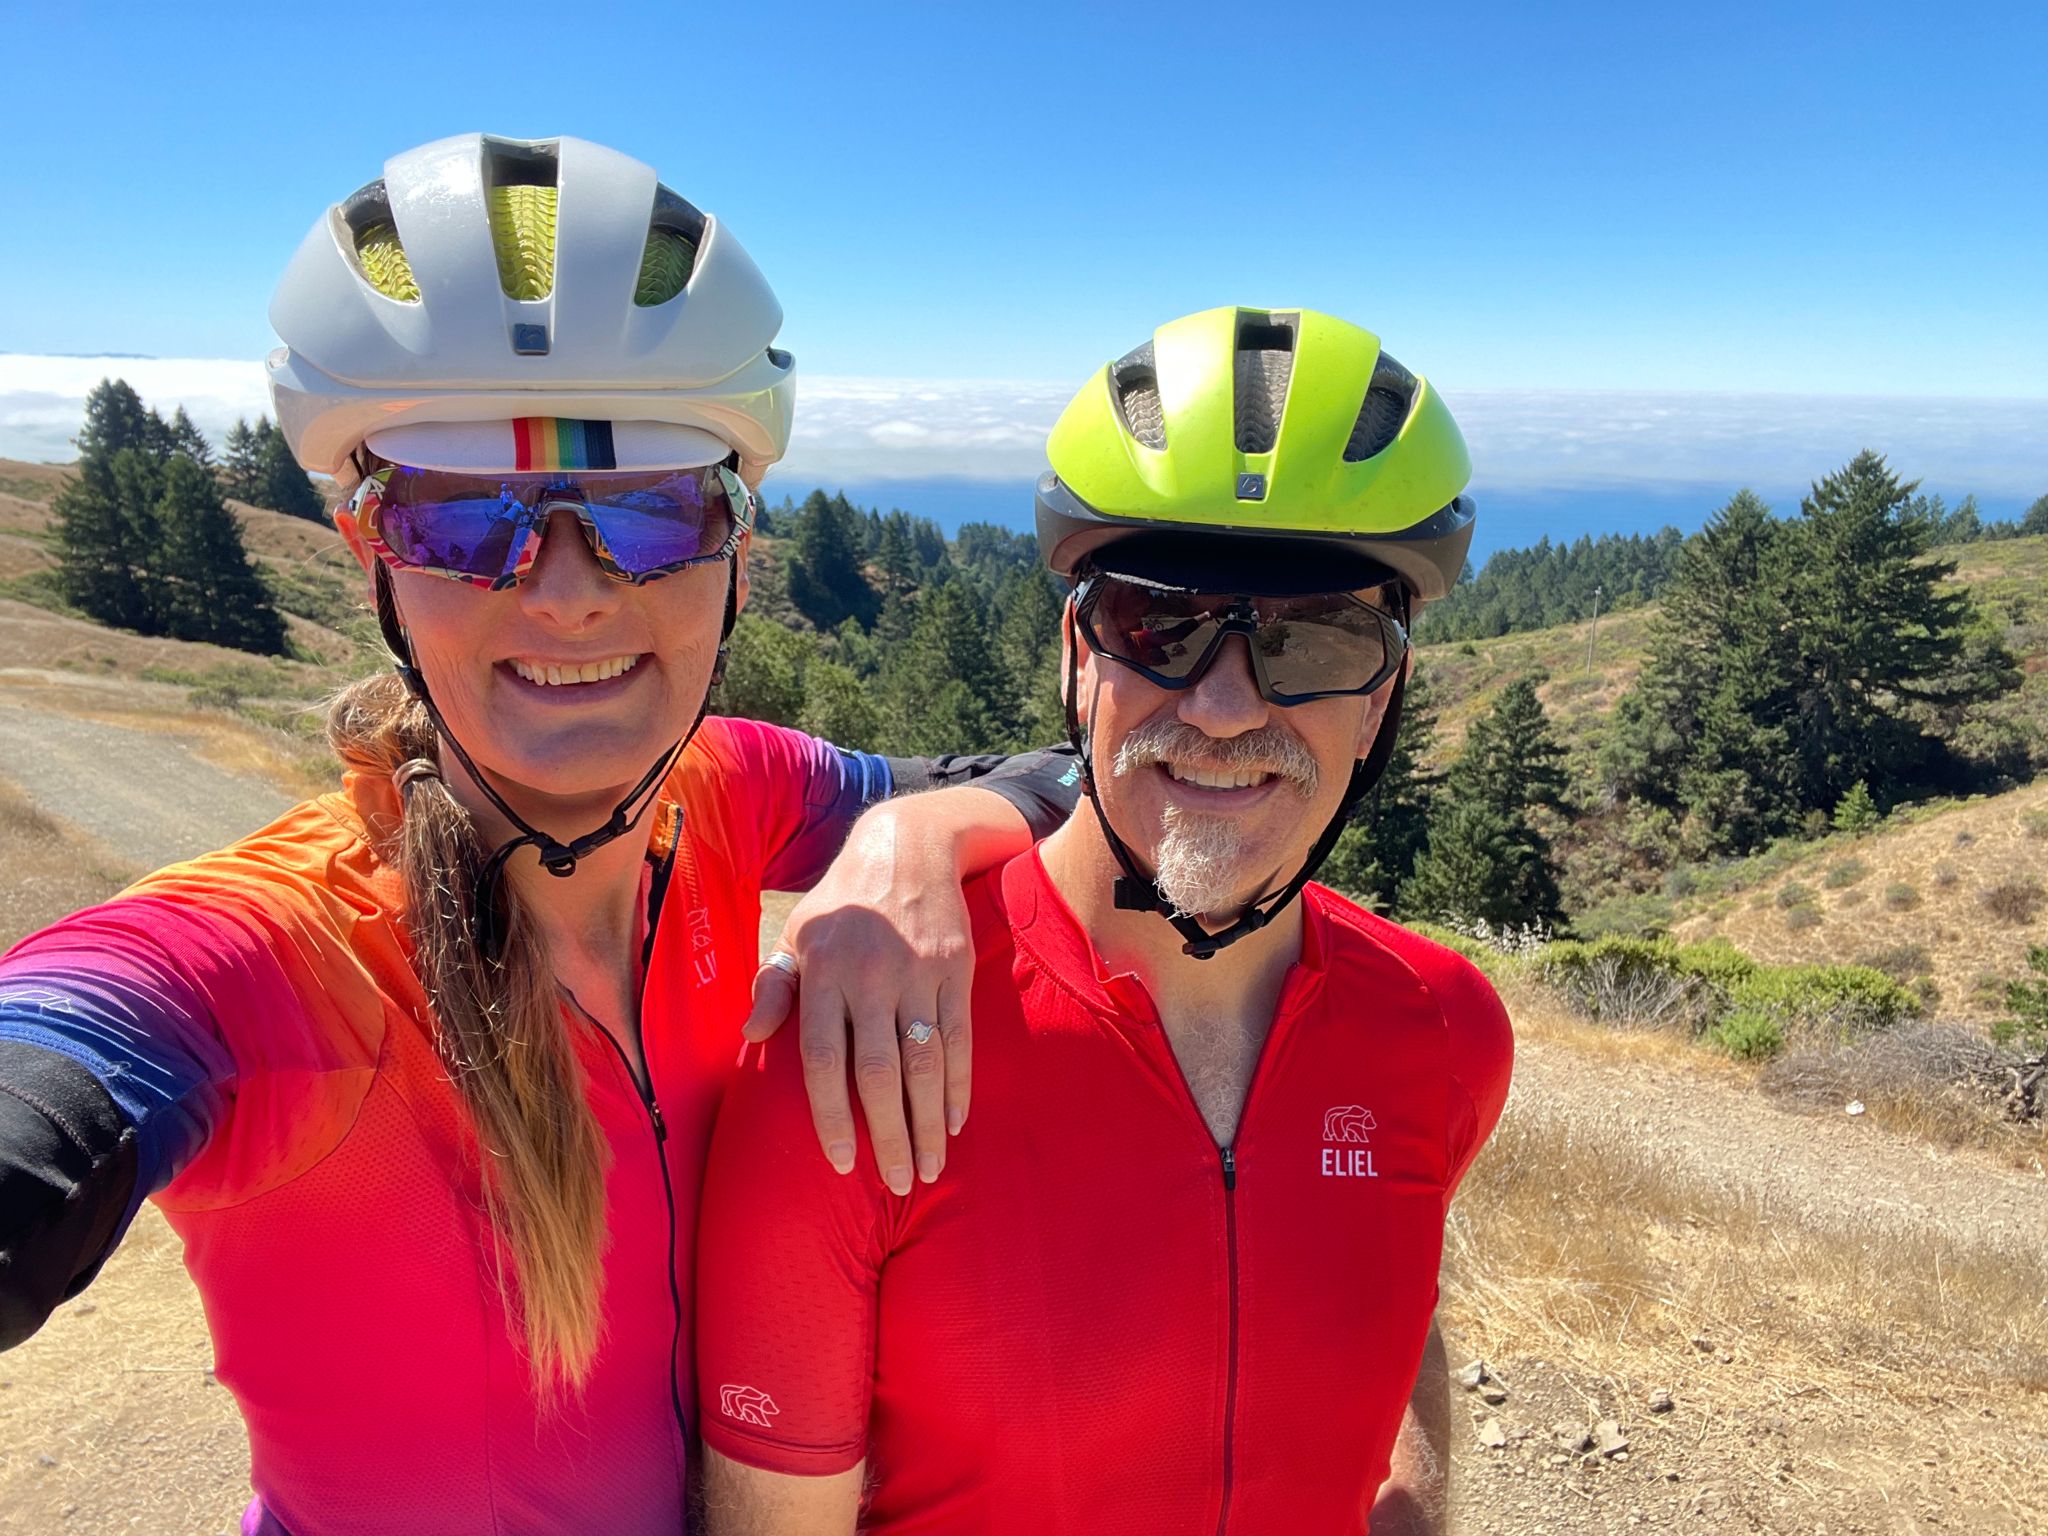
783 961
917 1032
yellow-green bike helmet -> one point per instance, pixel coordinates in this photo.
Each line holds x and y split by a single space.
1259 452
1289 426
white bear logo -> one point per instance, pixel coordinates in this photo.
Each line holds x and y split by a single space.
747 1405
1348 1122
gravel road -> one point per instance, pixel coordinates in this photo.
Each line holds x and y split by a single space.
148 798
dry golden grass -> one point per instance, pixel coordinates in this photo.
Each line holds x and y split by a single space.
51 869
1466 675
1949 862
1576 1237
1833 1359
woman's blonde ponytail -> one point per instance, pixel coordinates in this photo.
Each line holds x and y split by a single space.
500 1028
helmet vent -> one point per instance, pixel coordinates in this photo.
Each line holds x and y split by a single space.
520 182
1265 363
1134 378
1388 399
374 237
674 233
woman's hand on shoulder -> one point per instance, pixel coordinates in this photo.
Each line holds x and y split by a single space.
880 967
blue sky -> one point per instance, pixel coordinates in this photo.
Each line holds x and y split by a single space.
1717 220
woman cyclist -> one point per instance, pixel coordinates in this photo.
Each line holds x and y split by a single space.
422 1073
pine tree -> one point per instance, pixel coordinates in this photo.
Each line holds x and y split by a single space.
114 420
826 580
240 469
187 439
2035 519
1027 642
1704 732
1488 855
1468 872
896 555
944 689
212 590
1857 813
98 551
838 707
1878 630
1376 853
281 485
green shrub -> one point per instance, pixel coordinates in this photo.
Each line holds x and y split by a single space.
1639 916
1837 1001
1901 897
1802 918
1717 993
1481 954
1852 898
1793 894
1748 1034
2035 823
1624 980
1681 882
1848 872
1717 962
2028 1000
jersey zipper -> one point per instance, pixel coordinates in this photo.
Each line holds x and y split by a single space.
1229 1154
1227 1162
668 1194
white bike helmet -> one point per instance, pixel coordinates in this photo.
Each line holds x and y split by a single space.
485 280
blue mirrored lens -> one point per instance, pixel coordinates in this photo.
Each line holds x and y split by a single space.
650 528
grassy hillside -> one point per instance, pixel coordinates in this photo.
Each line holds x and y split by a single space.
1467 674
1947 897
317 586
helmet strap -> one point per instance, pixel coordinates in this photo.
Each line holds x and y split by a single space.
1137 892
556 857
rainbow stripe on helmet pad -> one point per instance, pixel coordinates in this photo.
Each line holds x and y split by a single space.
557 442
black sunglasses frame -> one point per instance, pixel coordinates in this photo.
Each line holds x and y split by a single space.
1242 618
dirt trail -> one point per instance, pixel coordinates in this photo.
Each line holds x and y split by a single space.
145 796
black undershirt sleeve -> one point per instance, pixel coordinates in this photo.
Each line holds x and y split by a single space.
1044 785
67 1172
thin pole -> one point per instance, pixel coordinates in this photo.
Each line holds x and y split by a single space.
1594 631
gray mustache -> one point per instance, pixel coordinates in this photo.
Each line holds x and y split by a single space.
1261 751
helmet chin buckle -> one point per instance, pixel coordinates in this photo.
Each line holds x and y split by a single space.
1137 895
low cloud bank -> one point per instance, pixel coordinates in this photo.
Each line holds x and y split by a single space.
852 430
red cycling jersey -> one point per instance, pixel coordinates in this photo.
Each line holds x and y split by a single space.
1098 1320
258 1013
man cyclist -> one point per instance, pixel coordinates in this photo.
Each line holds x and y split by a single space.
1182 1276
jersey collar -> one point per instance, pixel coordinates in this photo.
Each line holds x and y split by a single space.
1049 933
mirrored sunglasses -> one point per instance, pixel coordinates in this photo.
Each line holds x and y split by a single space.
486 529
